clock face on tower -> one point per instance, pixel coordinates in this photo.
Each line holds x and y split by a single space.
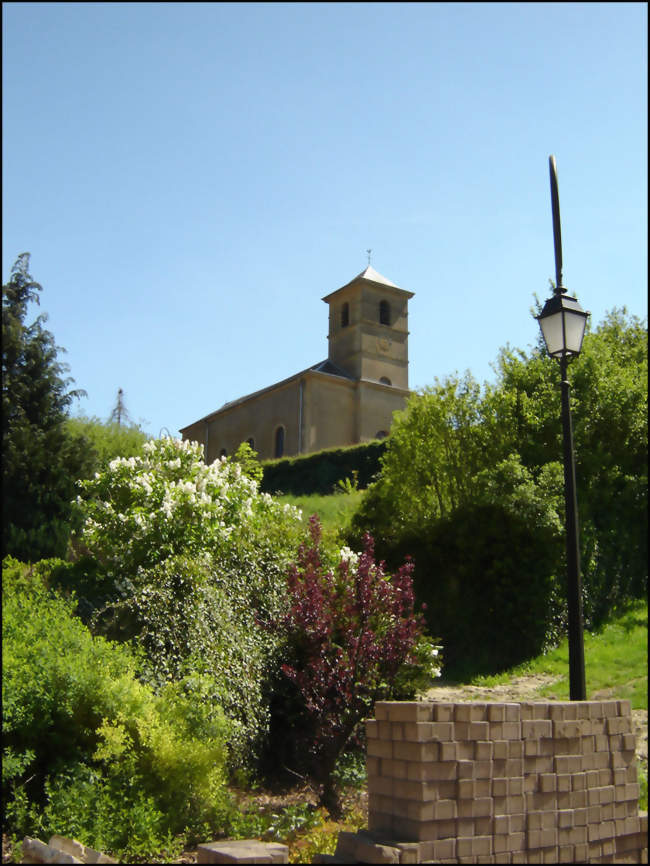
383 344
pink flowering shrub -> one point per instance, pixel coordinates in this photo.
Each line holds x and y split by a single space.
351 631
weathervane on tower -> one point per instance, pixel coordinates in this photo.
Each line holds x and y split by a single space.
368 251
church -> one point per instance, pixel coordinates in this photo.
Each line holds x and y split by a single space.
346 399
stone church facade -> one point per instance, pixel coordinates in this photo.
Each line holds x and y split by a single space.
347 399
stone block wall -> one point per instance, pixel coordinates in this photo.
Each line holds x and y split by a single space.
538 782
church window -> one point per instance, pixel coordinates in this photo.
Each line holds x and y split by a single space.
381 434
384 313
385 380
279 442
251 442
345 315
223 453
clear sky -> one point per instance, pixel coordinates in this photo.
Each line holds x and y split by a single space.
192 178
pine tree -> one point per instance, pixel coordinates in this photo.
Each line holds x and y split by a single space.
41 460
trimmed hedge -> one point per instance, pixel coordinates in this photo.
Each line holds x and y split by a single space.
486 575
319 472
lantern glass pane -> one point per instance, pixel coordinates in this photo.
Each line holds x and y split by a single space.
574 324
552 332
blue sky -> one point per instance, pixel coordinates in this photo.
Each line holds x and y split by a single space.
191 180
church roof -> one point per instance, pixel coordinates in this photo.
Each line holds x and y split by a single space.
330 368
373 276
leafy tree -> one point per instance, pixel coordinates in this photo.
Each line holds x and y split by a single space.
40 459
106 440
456 444
609 397
250 465
166 501
350 630
438 443
610 384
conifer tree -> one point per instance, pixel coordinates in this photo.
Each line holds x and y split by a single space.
41 460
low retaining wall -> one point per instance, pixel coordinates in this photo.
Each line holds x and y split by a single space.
538 782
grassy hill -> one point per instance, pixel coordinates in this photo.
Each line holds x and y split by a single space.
616 662
334 510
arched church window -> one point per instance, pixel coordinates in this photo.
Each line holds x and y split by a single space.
251 442
385 380
384 313
279 442
381 434
223 453
345 315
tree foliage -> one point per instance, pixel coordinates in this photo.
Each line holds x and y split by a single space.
40 459
609 404
458 448
186 560
88 750
437 444
246 457
105 440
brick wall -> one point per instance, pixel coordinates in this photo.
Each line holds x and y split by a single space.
538 782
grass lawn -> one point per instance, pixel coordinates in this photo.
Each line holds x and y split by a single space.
334 510
616 666
616 661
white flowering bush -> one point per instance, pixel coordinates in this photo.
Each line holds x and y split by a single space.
197 559
167 501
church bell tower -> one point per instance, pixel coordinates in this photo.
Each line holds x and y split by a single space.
368 329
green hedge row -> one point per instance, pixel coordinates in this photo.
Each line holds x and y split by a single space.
320 471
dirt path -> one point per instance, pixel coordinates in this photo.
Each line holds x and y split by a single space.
526 688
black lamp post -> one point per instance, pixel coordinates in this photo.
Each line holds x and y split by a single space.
563 324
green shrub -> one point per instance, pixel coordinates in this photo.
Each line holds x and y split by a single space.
90 751
195 630
84 578
486 570
483 574
84 803
274 824
194 559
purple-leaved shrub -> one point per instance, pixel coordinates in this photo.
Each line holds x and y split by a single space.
350 631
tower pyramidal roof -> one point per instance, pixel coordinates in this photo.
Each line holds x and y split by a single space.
373 276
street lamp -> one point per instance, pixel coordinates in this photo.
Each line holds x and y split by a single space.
563 323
